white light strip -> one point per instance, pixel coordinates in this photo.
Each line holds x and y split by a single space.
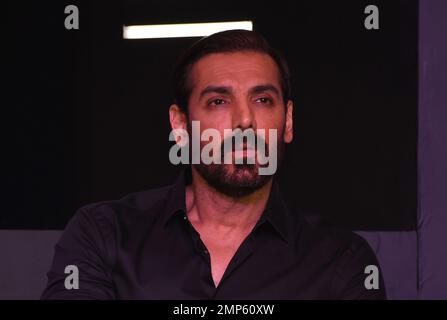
182 30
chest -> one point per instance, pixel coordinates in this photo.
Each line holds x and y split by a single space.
221 251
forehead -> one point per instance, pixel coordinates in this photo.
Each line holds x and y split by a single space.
245 68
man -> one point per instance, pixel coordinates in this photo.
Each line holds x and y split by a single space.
221 231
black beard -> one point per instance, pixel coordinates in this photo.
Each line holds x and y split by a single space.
242 179
237 180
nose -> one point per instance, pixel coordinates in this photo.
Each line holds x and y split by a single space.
243 116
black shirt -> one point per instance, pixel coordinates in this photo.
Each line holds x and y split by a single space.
144 247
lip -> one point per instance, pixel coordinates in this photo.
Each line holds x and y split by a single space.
244 153
244 146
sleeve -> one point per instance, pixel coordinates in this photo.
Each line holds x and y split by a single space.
358 275
83 246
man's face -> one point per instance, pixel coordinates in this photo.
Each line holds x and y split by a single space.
238 90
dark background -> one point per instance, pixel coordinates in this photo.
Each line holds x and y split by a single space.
86 111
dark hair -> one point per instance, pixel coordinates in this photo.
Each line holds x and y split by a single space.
225 42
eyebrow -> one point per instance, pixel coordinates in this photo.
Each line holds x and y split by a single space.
228 90
216 89
265 87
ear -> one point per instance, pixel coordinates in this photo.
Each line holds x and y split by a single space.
178 120
177 117
288 132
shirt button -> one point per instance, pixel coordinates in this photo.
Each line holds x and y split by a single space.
205 251
184 217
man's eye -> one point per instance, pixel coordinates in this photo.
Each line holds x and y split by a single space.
264 100
216 102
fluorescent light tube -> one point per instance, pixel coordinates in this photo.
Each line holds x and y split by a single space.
182 29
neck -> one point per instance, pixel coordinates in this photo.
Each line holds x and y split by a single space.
208 207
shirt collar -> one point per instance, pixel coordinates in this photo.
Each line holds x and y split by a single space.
275 213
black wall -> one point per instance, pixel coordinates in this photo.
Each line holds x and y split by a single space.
86 111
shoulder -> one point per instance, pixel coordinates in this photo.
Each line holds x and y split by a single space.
99 227
105 224
318 241
312 233
342 251
148 204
